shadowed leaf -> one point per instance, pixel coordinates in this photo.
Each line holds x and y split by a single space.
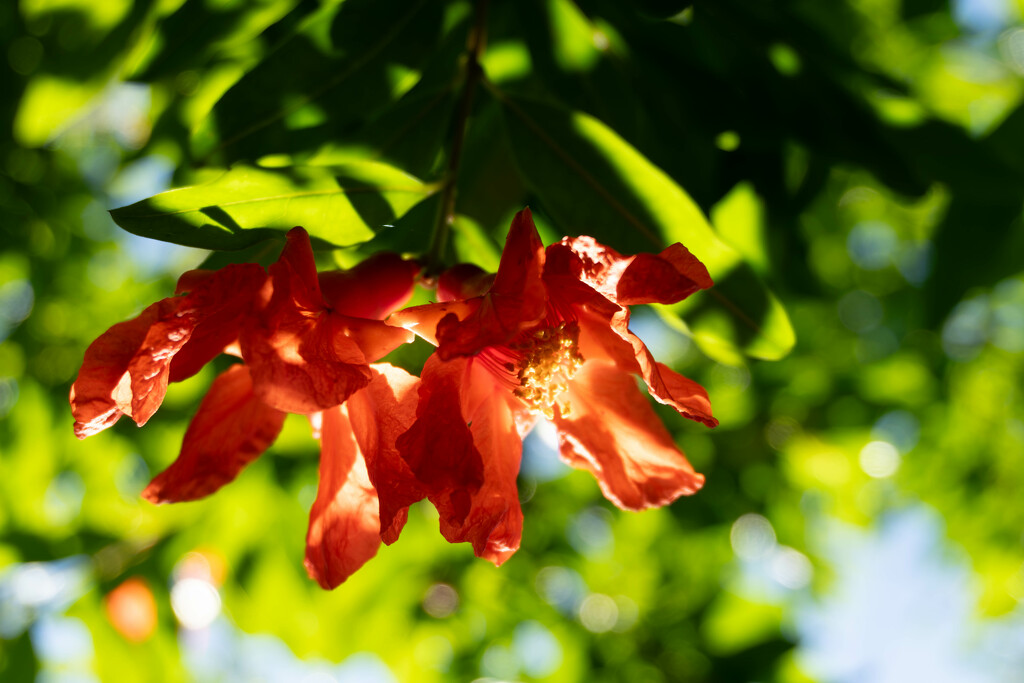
345 65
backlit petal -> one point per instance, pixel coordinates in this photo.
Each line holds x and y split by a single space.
304 357
150 367
374 338
423 320
302 363
682 393
230 430
605 335
439 447
344 527
379 414
294 275
522 261
613 432
125 369
467 464
516 300
668 277
490 517
222 301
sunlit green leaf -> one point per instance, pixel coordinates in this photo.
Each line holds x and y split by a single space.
474 245
739 219
339 205
734 623
48 105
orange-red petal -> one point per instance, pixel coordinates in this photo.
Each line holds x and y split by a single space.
372 289
605 335
379 414
304 356
464 450
516 300
522 261
125 369
668 277
304 364
374 338
294 275
231 429
493 518
612 431
222 301
423 320
344 527
439 447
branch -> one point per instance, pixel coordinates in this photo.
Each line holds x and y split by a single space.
471 76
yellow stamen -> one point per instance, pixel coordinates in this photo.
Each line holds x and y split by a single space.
550 358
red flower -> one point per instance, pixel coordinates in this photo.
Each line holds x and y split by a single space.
548 335
308 344
126 370
358 458
308 353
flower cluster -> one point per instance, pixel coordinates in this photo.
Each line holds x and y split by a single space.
547 335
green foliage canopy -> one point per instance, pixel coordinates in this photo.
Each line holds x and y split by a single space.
863 187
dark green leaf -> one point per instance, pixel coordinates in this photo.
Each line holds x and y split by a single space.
198 31
344 66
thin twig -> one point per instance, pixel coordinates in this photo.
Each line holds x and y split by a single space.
446 209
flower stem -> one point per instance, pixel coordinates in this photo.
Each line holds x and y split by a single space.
434 259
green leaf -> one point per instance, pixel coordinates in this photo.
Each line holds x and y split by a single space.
343 66
410 135
340 205
593 182
198 32
472 244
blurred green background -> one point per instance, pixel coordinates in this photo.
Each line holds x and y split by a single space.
862 163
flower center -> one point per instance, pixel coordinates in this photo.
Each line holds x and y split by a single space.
549 358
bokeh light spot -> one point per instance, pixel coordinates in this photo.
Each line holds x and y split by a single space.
440 601
131 609
752 537
196 603
590 532
537 649
872 245
879 459
898 427
500 662
791 568
62 640
728 141
599 613
561 587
